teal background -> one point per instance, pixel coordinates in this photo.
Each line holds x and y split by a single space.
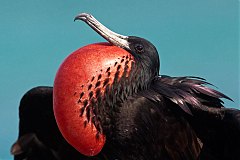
198 38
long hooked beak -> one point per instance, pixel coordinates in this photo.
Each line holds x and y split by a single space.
110 36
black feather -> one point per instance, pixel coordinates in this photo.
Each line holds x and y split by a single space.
188 91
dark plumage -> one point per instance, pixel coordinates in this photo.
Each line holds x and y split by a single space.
150 117
39 137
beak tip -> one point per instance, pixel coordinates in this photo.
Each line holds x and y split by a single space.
82 16
76 18
16 149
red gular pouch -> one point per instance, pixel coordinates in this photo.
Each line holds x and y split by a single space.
80 80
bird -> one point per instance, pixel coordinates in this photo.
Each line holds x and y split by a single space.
144 115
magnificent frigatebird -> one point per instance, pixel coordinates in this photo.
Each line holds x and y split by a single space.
150 117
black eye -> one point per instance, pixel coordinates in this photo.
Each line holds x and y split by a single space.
139 48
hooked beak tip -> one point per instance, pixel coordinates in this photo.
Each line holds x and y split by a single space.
82 16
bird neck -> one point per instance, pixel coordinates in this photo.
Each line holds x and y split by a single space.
116 93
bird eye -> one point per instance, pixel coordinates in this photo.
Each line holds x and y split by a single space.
139 48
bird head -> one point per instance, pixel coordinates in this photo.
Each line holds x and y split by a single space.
143 51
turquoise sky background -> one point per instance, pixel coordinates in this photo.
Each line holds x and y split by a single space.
197 38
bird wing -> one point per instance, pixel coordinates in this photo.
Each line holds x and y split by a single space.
35 125
217 127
